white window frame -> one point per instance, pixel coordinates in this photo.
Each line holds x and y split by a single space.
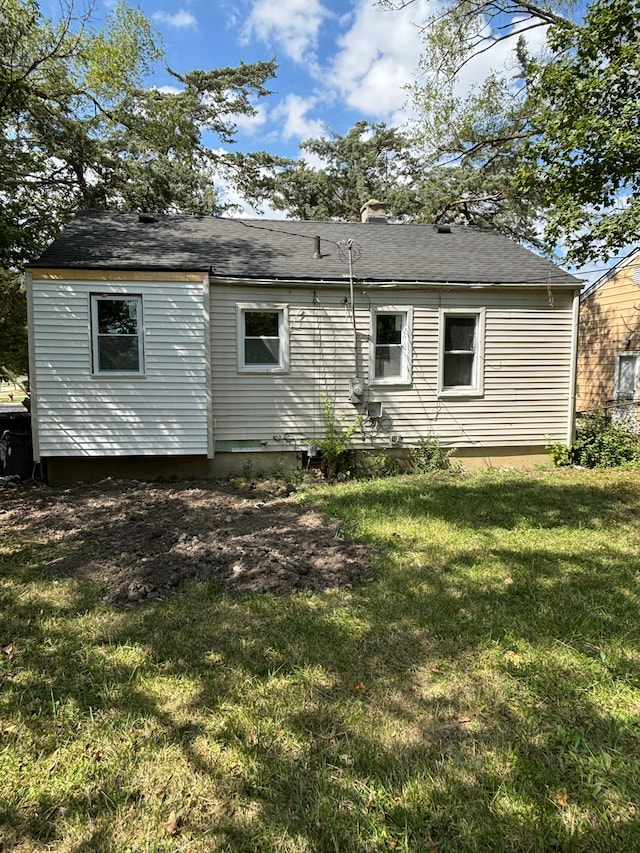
616 381
283 337
476 388
404 377
96 298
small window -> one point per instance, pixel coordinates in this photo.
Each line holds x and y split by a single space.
390 346
263 339
116 323
461 347
626 376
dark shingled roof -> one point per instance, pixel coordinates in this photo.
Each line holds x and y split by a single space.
284 250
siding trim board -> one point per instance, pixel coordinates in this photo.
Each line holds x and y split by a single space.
112 275
33 374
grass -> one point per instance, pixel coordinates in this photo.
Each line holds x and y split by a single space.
481 694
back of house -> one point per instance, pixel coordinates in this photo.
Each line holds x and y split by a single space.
195 346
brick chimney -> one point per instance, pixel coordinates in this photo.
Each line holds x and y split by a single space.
373 211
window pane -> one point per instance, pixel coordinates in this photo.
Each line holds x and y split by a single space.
627 376
388 361
458 369
118 353
459 334
261 324
262 351
389 329
117 317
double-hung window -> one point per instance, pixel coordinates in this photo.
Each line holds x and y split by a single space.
390 346
461 369
117 333
263 339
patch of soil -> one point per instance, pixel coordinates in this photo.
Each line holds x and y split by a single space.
140 540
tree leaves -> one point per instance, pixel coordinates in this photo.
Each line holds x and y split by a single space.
81 128
585 148
13 326
370 161
560 135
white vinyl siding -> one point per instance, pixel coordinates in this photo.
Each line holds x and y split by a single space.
164 411
525 400
527 368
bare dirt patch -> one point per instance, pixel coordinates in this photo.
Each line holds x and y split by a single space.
140 540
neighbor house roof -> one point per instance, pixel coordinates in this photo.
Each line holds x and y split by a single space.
287 250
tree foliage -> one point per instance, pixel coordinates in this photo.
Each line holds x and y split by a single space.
80 127
563 138
471 149
458 163
13 323
408 175
584 152
370 161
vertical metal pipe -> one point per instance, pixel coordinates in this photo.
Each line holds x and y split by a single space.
353 307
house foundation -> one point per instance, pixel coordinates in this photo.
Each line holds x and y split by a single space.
64 470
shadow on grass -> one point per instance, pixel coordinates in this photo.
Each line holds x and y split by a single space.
436 708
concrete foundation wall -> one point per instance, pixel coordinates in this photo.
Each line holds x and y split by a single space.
62 470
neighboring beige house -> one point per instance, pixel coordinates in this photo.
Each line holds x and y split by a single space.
189 345
609 341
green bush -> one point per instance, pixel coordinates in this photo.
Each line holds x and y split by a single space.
380 464
337 459
561 453
429 456
600 443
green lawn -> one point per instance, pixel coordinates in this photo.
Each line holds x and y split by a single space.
482 693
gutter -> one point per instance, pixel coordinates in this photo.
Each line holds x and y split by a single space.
384 284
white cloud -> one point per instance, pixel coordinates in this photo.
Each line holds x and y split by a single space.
168 90
285 121
501 57
290 116
291 25
182 19
250 124
377 57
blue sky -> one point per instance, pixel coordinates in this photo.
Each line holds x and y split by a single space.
338 61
